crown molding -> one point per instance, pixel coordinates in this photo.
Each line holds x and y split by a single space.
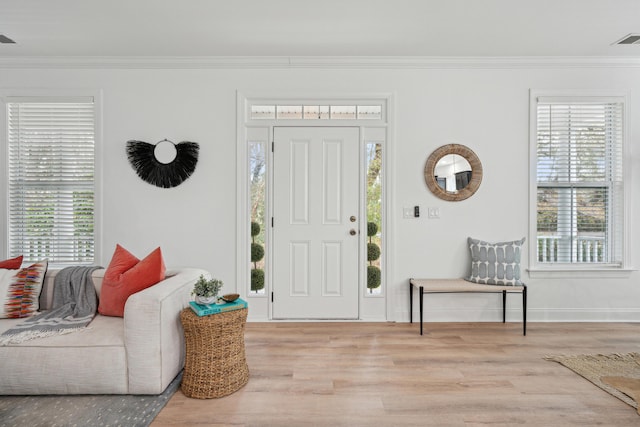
336 62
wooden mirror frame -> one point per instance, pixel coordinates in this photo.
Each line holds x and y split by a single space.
476 172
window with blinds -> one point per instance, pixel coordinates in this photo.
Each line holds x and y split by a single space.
51 184
579 181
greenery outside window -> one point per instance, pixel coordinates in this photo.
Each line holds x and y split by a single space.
579 182
374 217
51 179
257 192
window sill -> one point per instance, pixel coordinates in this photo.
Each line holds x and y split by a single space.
585 272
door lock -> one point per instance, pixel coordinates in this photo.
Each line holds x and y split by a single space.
352 219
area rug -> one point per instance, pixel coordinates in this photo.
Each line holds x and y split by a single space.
617 374
84 410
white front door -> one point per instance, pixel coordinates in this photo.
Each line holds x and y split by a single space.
315 222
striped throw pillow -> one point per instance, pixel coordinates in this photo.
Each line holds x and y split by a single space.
20 290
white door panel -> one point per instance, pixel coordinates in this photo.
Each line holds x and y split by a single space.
316 192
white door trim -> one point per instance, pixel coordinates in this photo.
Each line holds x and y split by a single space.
372 308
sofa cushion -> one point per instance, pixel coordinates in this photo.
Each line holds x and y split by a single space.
127 275
90 361
20 290
12 264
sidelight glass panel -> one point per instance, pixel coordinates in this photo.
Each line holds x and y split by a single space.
374 218
257 191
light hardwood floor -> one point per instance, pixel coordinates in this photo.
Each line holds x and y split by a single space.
386 374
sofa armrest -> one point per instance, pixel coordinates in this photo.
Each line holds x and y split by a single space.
153 335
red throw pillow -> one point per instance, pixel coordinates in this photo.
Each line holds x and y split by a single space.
127 275
12 264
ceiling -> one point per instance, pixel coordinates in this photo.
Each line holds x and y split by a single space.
321 28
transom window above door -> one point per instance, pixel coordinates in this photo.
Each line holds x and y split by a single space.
315 112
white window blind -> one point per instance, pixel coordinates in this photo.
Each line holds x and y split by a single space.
51 166
580 204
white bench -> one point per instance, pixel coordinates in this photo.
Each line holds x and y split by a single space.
454 286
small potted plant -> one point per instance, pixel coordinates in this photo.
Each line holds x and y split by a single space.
206 291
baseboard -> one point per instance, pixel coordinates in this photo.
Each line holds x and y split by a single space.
255 318
584 315
533 315
372 319
513 315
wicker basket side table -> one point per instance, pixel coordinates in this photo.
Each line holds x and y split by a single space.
215 363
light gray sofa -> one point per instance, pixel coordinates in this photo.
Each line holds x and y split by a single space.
138 354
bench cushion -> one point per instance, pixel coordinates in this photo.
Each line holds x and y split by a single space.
461 285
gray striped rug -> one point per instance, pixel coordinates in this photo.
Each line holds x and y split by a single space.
84 410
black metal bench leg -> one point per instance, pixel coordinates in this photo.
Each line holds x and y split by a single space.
421 306
504 306
524 311
410 302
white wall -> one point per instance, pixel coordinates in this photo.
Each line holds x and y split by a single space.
485 109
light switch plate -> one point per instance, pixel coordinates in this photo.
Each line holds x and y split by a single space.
434 213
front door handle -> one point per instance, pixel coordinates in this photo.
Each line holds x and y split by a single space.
353 232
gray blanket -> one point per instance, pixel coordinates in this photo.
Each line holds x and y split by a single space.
74 306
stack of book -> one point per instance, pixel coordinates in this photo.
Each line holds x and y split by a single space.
207 309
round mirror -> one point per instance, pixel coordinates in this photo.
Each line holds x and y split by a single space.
453 172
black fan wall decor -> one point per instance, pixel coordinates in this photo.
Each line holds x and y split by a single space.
164 173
